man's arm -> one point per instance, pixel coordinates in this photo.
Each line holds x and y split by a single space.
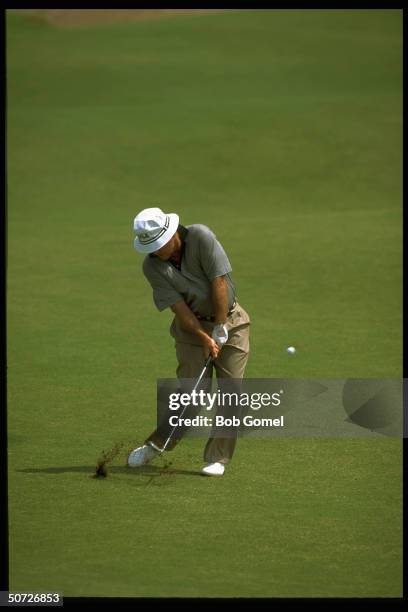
219 293
191 324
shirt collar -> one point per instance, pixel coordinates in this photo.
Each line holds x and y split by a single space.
183 231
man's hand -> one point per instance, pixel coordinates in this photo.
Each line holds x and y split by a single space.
210 347
220 334
191 324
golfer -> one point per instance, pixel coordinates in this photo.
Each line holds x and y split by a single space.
189 272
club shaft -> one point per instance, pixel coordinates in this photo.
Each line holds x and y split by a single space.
200 378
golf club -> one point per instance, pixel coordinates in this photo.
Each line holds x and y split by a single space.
185 407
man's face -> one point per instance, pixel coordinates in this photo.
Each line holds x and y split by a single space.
168 249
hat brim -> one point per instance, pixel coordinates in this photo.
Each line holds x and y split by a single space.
164 238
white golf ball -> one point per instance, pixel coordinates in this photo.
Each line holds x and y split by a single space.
291 350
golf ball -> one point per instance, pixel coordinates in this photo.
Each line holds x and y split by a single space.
291 350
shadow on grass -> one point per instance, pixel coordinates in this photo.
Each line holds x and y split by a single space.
146 475
145 470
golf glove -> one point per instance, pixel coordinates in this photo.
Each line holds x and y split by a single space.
220 334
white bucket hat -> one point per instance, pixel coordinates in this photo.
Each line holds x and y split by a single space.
154 228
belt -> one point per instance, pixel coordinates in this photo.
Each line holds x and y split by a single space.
212 319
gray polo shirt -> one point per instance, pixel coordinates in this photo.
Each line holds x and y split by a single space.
203 259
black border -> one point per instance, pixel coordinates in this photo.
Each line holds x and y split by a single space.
4 544
130 602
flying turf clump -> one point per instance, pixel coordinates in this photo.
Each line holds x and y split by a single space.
101 470
106 458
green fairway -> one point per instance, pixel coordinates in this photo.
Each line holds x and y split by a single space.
282 131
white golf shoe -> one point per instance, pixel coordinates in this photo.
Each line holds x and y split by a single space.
142 455
213 469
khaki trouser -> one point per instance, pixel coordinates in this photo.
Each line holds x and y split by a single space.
230 363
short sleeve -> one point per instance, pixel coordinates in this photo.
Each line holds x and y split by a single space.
164 294
213 258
